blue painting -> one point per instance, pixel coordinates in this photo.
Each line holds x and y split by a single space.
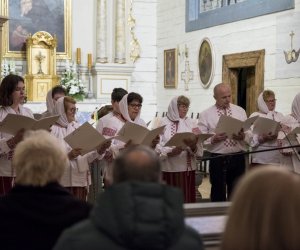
201 14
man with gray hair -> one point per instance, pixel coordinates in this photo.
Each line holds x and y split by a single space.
135 212
37 209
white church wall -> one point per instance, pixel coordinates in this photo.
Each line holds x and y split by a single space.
246 35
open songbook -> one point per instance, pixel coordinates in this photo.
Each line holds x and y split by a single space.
86 137
230 125
293 135
12 123
138 134
265 126
178 139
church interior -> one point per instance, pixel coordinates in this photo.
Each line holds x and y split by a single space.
159 49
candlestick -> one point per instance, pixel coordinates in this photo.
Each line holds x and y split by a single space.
78 56
89 61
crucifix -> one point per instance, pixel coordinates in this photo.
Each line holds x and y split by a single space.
187 75
40 58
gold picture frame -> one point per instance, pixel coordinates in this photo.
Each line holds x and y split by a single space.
170 68
206 63
30 17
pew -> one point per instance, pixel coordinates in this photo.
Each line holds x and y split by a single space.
208 219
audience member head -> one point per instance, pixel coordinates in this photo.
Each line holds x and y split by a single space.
296 107
265 211
12 90
39 159
222 95
178 108
130 106
137 163
116 96
266 101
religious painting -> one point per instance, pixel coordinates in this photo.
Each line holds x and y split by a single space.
30 16
205 63
202 14
170 68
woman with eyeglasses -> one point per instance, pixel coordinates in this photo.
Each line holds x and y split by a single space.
266 108
12 98
179 165
130 110
76 177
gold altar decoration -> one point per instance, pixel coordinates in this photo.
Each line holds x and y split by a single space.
41 65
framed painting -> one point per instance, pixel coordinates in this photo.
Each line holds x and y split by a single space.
170 68
206 63
30 16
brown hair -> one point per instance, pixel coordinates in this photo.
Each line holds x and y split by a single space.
7 87
183 100
264 212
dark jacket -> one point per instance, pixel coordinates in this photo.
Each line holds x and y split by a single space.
133 215
34 217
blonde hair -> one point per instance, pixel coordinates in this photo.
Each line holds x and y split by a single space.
264 212
68 99
39 159
268 93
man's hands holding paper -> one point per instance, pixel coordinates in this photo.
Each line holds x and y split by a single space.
240 136
102 147
218 138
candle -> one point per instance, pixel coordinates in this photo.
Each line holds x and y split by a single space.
89 61
78 56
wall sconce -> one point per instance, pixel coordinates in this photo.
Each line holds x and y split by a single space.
292 55
183 52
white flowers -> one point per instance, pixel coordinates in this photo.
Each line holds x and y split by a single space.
72 83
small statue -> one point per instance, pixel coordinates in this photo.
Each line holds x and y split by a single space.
40 58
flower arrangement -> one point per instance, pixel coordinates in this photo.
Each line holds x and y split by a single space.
71 83
7 68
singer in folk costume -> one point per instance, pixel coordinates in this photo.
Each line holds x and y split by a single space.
179 165
266 103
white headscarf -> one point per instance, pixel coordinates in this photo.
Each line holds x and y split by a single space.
296 107
59 109
49 102
262 106
173 115
123 106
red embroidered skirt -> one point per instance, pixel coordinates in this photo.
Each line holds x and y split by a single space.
183 180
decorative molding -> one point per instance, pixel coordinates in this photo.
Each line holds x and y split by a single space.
135 46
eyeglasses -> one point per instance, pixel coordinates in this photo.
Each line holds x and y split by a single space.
73 110
270 101
183 106
135 105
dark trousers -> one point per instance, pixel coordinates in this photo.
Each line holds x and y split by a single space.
225 171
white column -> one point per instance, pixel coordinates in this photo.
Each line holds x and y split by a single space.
120 32
101 55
